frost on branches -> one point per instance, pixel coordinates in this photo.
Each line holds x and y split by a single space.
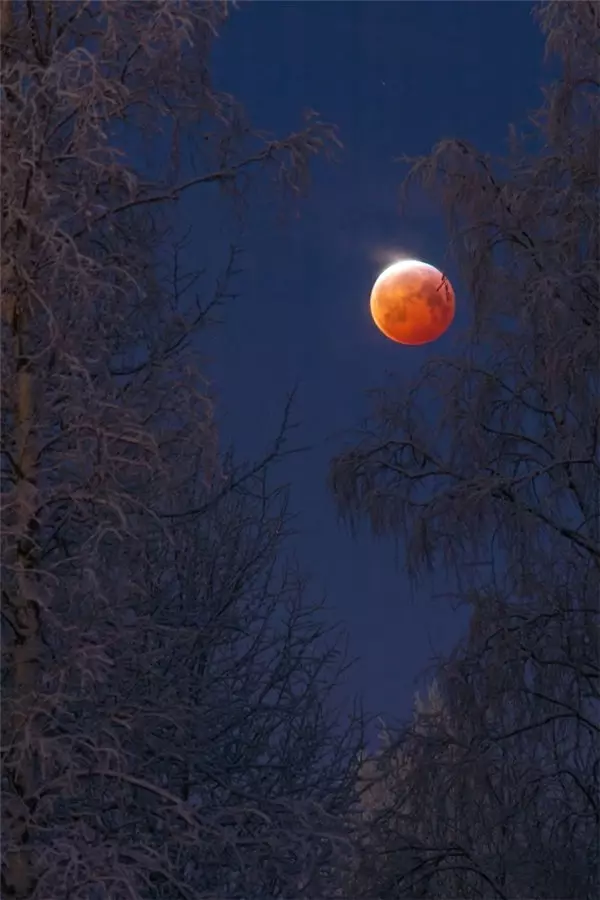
167 730
488 469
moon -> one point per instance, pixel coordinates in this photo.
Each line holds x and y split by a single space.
412 302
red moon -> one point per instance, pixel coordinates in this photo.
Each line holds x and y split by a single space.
412 302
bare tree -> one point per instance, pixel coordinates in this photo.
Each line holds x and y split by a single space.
492 789
153 653
488 469
220 765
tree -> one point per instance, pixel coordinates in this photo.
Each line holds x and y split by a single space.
156 650
488 792
499 489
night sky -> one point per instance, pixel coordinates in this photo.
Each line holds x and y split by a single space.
396 77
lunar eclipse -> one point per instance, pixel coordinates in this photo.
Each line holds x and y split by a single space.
412 302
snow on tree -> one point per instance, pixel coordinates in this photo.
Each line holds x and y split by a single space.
167 728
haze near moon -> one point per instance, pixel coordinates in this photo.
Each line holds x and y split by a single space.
412 303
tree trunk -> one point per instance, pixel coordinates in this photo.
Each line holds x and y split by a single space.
21 608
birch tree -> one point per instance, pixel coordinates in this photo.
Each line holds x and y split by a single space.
487 468
152 645
489 791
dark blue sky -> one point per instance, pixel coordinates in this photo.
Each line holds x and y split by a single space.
395 77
